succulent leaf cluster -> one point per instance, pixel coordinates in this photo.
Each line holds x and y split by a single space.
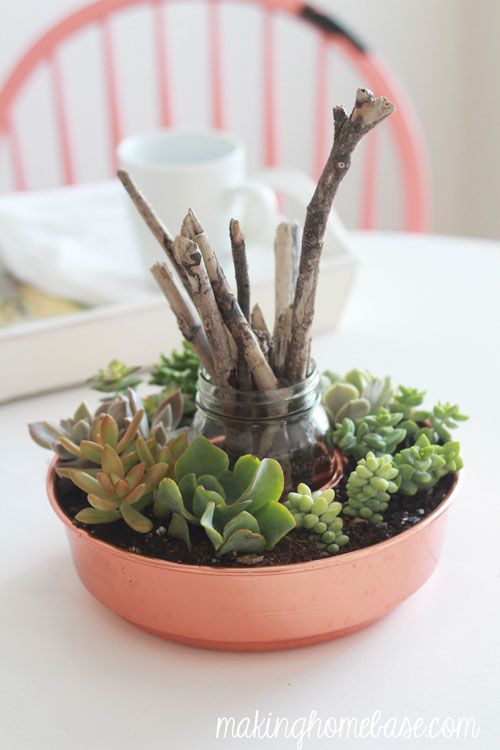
355 395
318 512
379 433
119 484
370 486
64 438
423 464
239 510
115 378
435 423
179 369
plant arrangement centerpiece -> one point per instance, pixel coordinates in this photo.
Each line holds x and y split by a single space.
245 463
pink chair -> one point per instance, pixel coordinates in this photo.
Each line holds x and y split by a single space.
328 36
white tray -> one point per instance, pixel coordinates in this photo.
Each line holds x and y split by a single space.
65 351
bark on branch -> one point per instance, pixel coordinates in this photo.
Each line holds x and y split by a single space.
368 111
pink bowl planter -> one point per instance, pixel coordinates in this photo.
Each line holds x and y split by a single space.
258 609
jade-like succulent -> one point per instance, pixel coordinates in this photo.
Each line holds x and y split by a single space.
354 396
238 510
114 379
179 369
370 486
318 512
378 433
119 485
83 426
405 400
423 464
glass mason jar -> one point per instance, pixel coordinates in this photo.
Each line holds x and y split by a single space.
288 424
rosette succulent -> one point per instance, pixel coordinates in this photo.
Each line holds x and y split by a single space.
435 423
118 485
355 395
318 512
114 379
422 465
379 433
84 425
239 510
370 486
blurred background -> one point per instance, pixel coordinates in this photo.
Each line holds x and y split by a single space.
444 53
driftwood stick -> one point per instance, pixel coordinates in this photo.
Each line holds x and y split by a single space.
240 267
189 324
189 255
286 255
158 229
258 321
368 111
259 327
246 340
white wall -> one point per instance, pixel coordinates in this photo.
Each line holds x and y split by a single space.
444 52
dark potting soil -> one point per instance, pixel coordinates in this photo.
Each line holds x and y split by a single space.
403 513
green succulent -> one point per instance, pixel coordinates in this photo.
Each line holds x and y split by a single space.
435 423
114 379
370 486
318 512
83 426
378 433
179 369
422 465
354 396
119 485
239 510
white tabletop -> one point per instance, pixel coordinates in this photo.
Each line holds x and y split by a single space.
76 677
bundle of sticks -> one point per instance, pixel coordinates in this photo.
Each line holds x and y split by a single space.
234 343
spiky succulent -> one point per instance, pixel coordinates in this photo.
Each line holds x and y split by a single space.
405 400
370 486
114 379
422 465
82 426
118 485
179 369
318 512
379 433
435 423
238 510
355 395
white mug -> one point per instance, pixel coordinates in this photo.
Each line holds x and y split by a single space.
203 170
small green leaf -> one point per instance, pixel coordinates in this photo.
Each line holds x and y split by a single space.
233 486
179 529
245 468
275 521
209 482
187 487
242 540
82 480
207 521
109 430
91 451
202 498
70 446
160 507
171 496
111 462
102 503
266 486
92 515
154 475
201 457
131 432
242 521
135 520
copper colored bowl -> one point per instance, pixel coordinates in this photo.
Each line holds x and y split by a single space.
258 609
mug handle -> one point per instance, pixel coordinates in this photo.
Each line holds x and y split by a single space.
255 203
300 188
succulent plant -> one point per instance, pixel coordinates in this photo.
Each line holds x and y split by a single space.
120 485
114 379
238 510
370 486
435 423
378 433
354 396
179 369
318 512
423 464
83 426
